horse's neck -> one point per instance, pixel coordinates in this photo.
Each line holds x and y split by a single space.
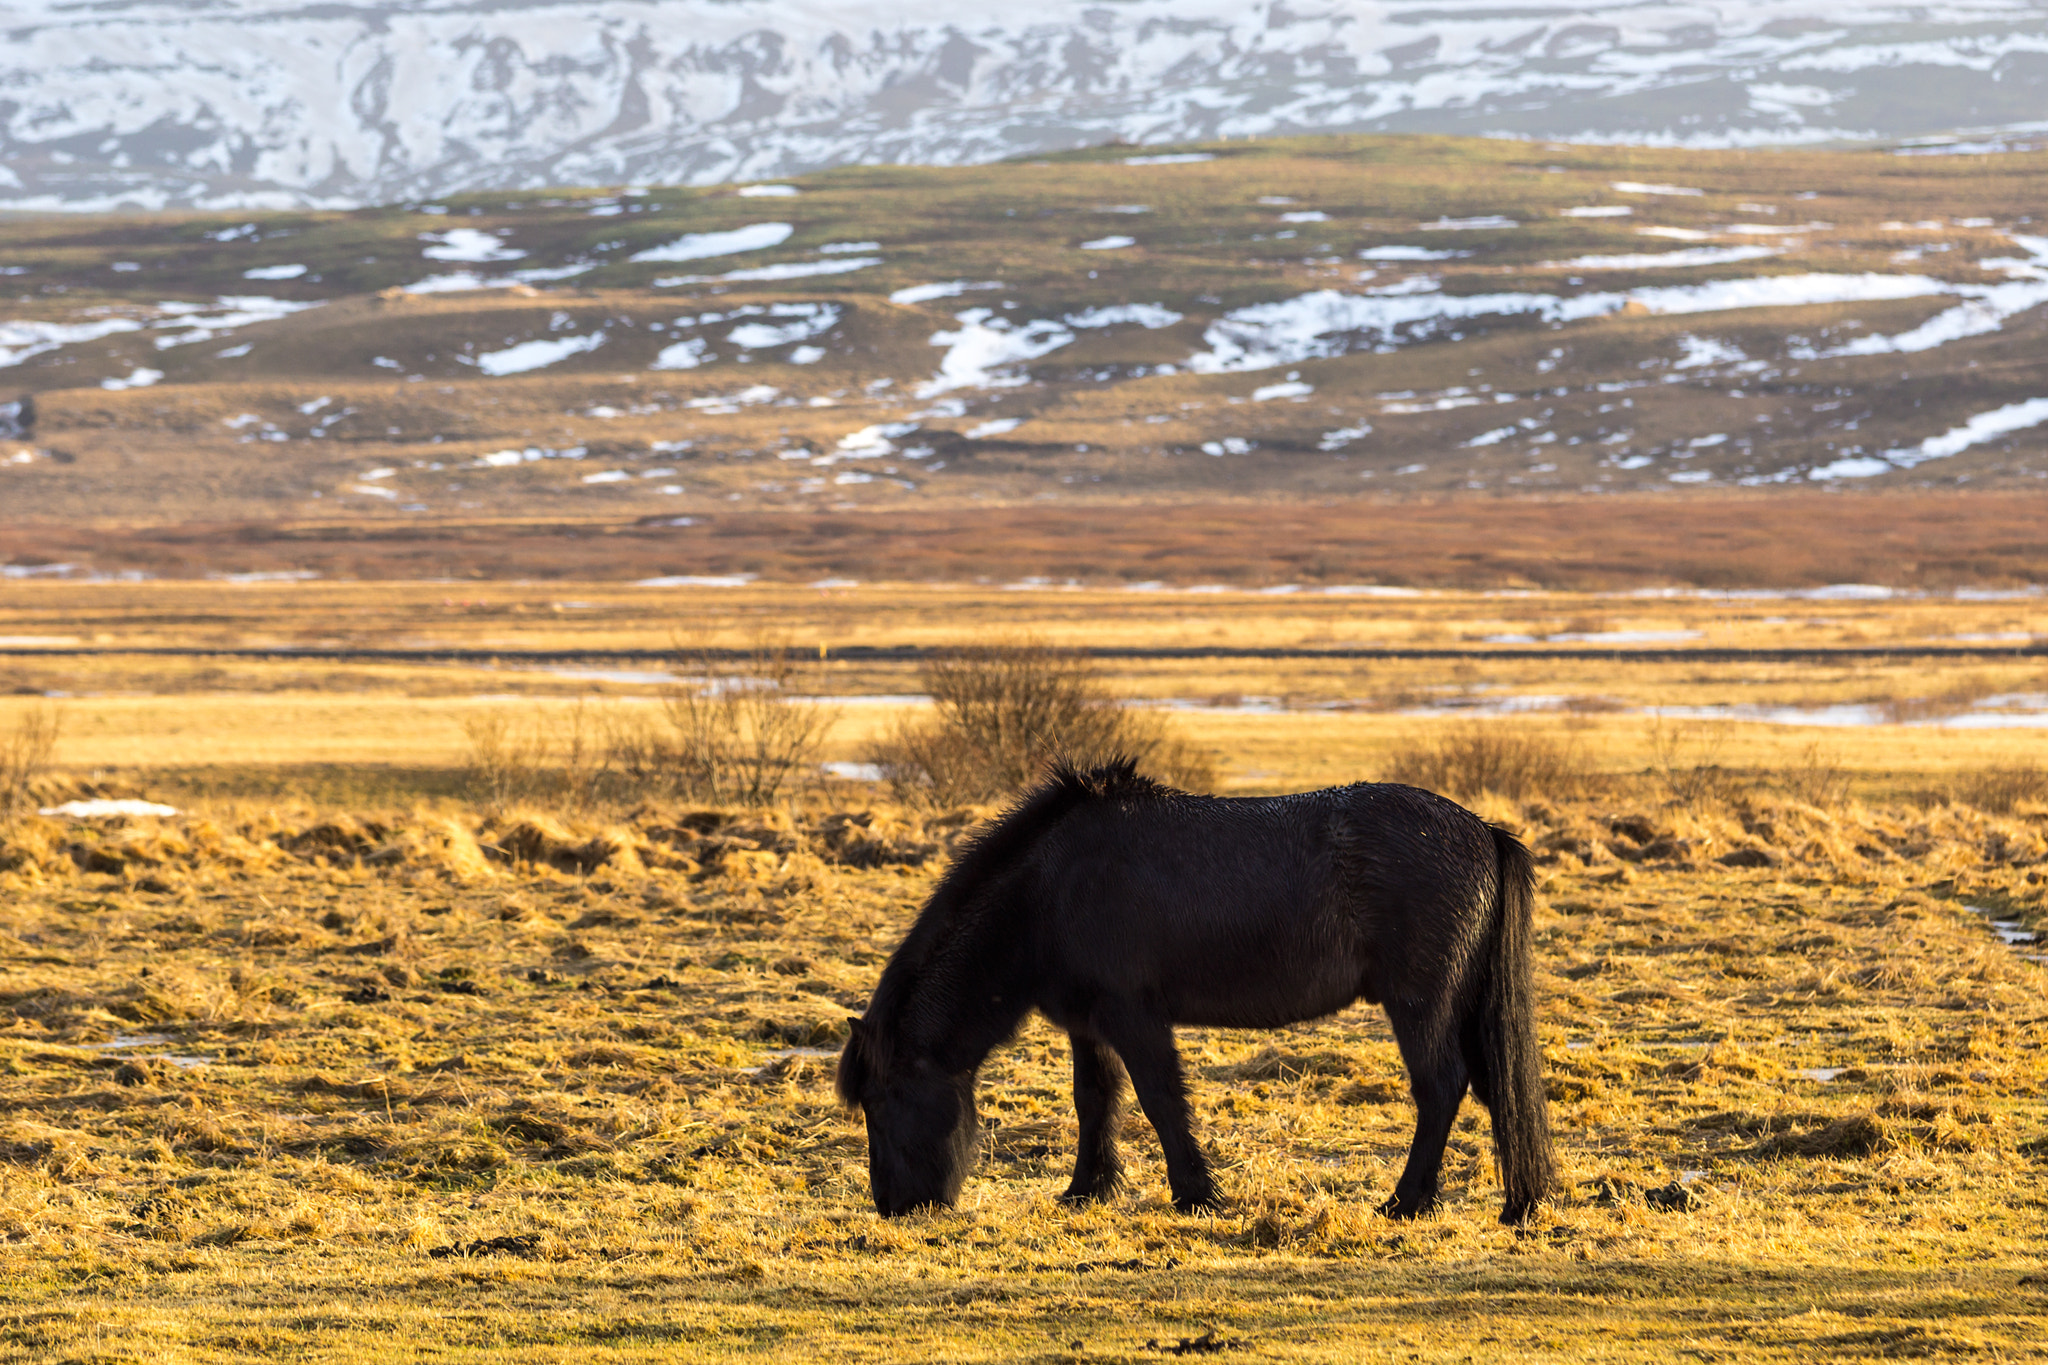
968 1000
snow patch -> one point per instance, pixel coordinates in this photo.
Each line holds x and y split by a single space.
984 345
1985 426
1486 222
1668 260
1699 351
1408 253
274 272
806 321
1641 187
925 293
195 323
1293 388
730 580
1326 323
1109 243
869 443
537 354
697 246
682 355
793 270
1150 316
21 340
467 245
102 808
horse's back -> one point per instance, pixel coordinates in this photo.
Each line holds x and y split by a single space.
1247 911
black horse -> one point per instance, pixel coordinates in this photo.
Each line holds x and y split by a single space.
1117 908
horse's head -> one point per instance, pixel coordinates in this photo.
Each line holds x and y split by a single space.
921 1122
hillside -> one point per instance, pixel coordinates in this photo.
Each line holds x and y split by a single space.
284 103
1313 319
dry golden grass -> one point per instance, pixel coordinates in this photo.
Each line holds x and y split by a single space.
358 1021
427 1085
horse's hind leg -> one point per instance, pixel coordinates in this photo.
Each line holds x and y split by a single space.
1098 1096
1438 1079
1145 1042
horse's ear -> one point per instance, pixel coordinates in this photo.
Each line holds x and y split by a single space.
856 1027
852 1078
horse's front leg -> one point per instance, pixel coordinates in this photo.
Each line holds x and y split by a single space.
1145 1042
1098 1096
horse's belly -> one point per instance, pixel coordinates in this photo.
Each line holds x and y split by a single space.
1258 1002
1234 983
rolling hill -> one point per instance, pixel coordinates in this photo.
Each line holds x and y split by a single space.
1309 319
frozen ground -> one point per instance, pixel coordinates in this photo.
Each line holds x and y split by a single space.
172 102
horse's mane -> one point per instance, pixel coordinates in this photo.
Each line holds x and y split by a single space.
984 855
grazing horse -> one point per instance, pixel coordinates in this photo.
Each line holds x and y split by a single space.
1117 908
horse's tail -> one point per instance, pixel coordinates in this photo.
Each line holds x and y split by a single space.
1508 1072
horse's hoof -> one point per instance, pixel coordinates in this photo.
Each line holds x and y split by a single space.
1211 1202
1517 1215
1402 1210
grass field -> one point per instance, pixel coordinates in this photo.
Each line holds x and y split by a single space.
340 1065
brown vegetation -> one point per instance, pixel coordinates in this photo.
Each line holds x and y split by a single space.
737 730
1785 540
25 749
1001 712
1476 759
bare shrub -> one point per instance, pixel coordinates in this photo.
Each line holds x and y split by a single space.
1001 711
1685 759
1817 778
25 751
506 763
737 733
742 733
581 757
2000 788
1476 758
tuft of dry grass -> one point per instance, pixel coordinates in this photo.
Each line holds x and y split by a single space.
2003 787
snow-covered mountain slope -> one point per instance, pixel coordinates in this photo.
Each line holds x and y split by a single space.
223 103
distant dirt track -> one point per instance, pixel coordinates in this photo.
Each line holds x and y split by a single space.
1775 539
